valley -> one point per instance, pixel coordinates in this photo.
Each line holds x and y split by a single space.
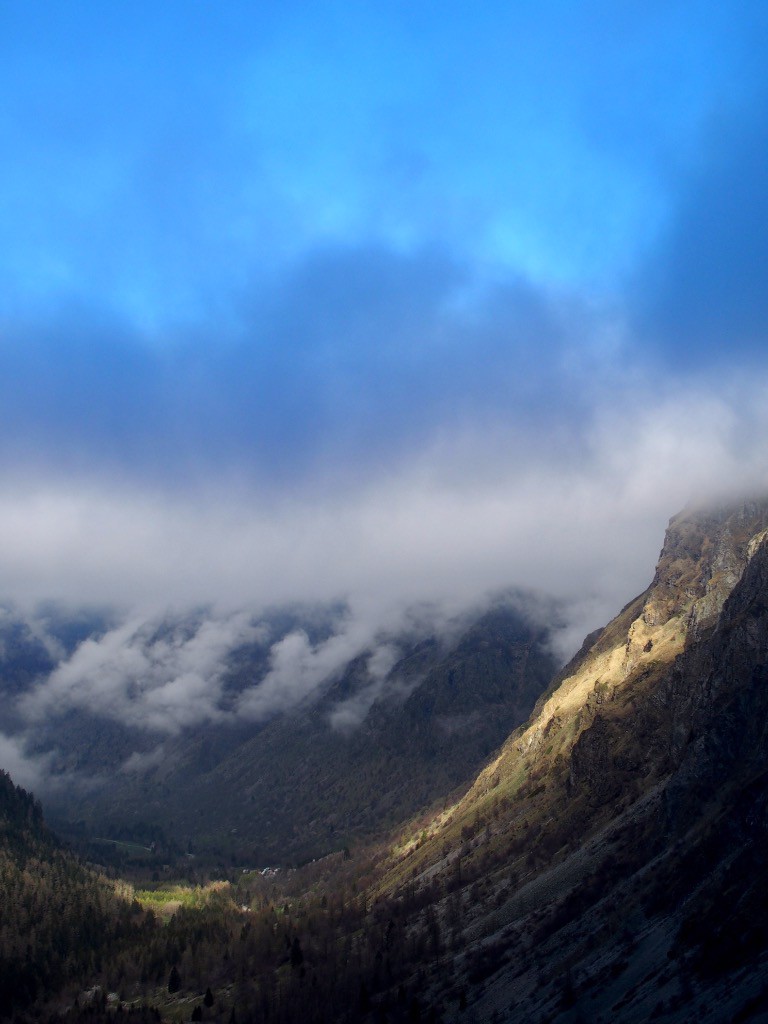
584 847
349 761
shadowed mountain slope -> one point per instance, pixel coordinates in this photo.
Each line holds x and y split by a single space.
348 765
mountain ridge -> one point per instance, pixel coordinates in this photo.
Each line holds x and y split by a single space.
628 761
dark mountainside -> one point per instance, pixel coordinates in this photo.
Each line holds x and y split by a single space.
607 865
300 786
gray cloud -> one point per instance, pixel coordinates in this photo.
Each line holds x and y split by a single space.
462 441
702 298
415 549
353 356
471 513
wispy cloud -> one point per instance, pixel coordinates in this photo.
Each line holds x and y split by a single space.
25 770
347 715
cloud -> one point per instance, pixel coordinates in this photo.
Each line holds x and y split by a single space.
139 762
347 715
270 334
474 511
26 771
166 674
578 523
701 298
157 676
298 667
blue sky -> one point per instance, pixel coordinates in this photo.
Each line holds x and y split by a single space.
167 158
435 256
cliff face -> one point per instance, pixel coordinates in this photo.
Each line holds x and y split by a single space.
685 698
621 836
620 716
718 697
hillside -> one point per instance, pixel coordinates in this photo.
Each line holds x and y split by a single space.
608 864
58 919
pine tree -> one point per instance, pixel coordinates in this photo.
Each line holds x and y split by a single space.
174 981
297 956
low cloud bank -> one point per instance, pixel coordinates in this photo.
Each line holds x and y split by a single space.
471 514
166 675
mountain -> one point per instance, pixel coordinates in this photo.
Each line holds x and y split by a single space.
609 863
354 761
